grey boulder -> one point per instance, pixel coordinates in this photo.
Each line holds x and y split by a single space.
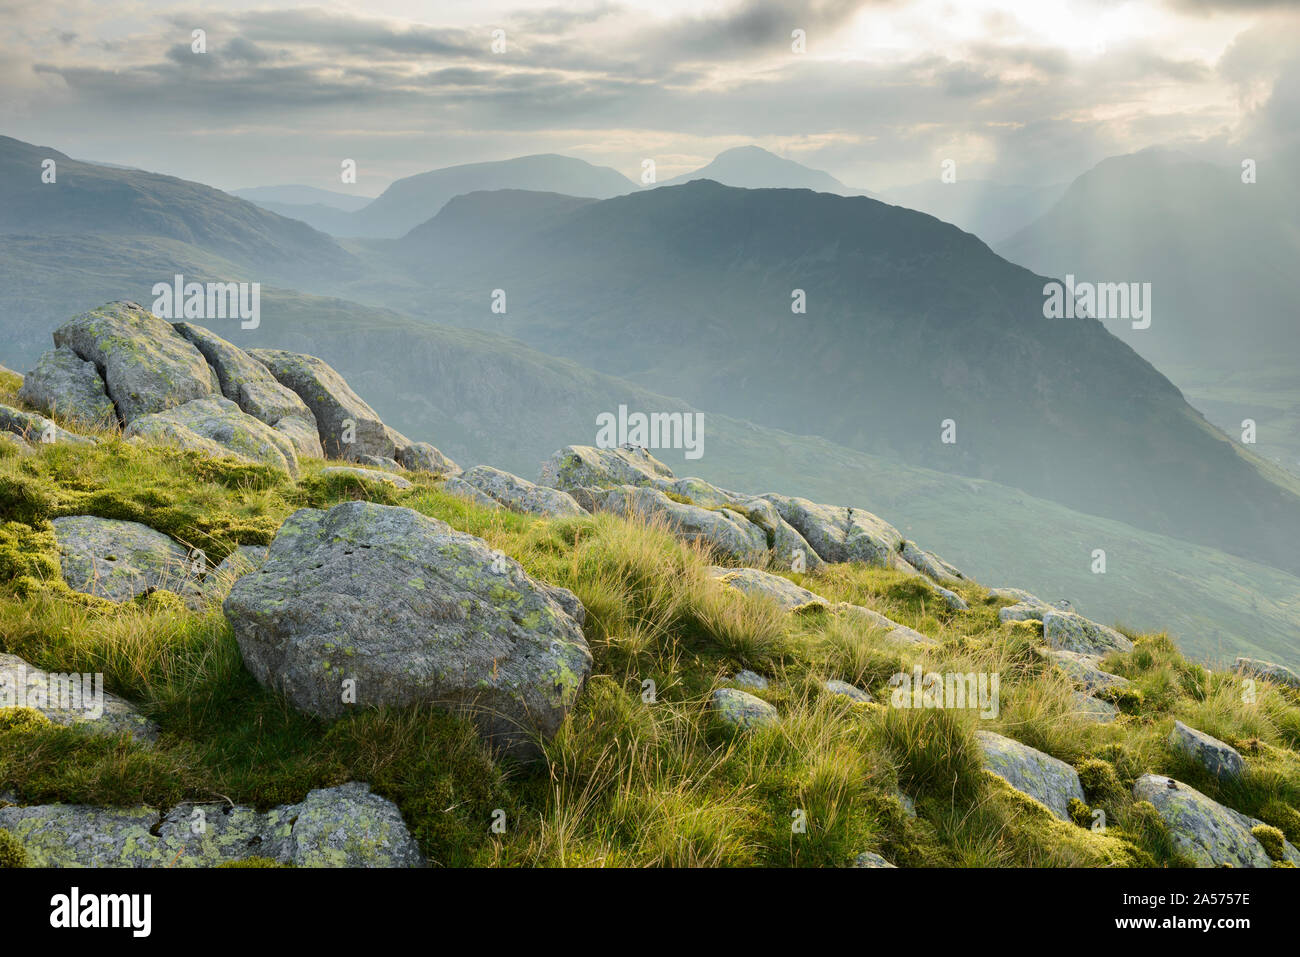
36 429
68 386
1221 760
743 711
217 426
367 475
118 560
1047 780
1067 631
72 701
726 532
1207 832
1278 674
578 466
841 533
521 495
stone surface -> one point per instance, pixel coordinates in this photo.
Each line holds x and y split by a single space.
1023 611
840 533
119 560
742 710
893 630
413 611
36 429
856 694
578 466
367 475
749 679
68 386
79 703
726 532
521 495
869 859
1067 631
421 456
752 581
457 486
1279 674
204 423
1044 778
343 826
147 366
242 561
249 384
1217 758
332 402
1202 829
1085 670
931 565
789 548
1094 709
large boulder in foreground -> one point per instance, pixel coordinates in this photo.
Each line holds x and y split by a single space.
1044 778
118 560
205 423
409 611
1207 832
66 385
343 826
147 366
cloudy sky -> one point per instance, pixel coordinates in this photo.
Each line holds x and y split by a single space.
1015 90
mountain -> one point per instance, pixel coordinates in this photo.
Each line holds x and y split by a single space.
87 199
411 201
752 167
910 322
294 195
992 211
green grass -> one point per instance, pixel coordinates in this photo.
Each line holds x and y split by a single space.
626 781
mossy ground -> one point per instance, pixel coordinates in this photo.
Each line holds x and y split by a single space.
633 777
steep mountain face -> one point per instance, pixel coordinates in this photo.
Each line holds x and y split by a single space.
413 200
909 322
88 199
1210 245
992 211
752 167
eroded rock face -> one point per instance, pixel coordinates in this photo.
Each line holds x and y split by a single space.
727 532
248 384
344 826
789 548
411 611
36 429
119 560
66 385
1067 631
91 708
742 710
579 466
1219 759
146 365
839 533
1202 829
521 495
1044 778
217 422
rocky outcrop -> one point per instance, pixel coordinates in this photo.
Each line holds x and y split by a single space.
401 609
1278 674
1084 670
459 487
68 386
840 533
728 533
1217 758
344 826
761 584
367 475
146 365
584 466
1067 631
749 679
520 495
742 710
1044 778
36 429
119 560
217 426
71 701
931 565
1203 830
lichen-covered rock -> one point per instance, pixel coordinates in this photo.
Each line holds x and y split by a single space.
68 386
71 701
244 560
852 692
1094 709
1024 611
147 366
869 859
1202 829
344 826
421 456
787 594
1067 631
1216 757
931 565
457 486
1278 674
789 549
367 475
951 598
344 420
403 609
584 466
521 495
1044 778
36 429
874 619
840 533
1085 670
749 679
742 710
246 382
203 423
728 533
119 560
697 490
